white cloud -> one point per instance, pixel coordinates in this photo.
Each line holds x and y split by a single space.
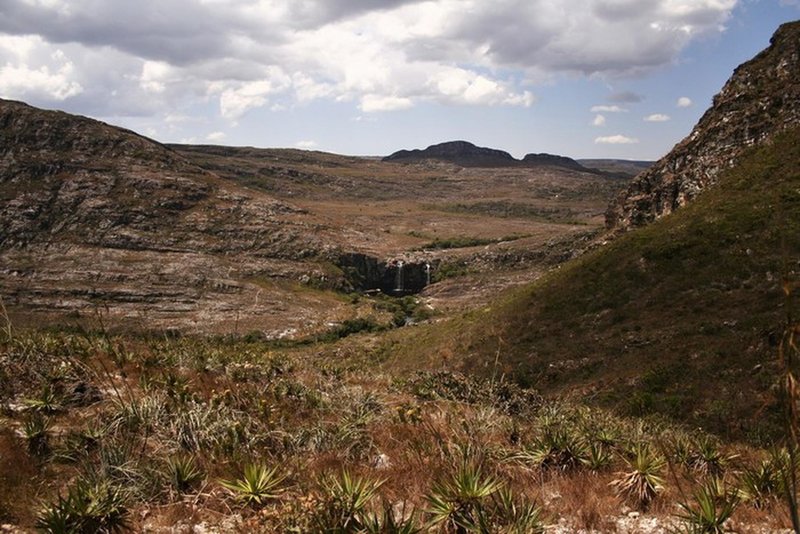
372 103
615 140
244 54
306 145
33 68
235 101
155 75
461 86
608 109
657 117
216 137
599 120
21 81
684 102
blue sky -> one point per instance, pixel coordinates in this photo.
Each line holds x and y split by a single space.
584 78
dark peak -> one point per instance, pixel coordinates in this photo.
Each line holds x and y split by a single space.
536 160
760 100
461 153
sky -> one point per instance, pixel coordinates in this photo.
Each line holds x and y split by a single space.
582 78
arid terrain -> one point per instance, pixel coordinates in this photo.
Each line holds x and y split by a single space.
446 340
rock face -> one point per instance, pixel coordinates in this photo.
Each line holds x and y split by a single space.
761 99
394 277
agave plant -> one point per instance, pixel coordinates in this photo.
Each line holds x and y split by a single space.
257 485
510 516
758 485
183 472
707 457
714 505
345 503
36 429
557 448
596 456
643 481
458 503
87 507
390 522
47 402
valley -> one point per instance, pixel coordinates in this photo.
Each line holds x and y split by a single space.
202 338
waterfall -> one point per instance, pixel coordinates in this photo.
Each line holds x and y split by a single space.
427 274
398 281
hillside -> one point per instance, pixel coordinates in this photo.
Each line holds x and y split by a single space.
162 433
102 223
761 99
99 221
678 318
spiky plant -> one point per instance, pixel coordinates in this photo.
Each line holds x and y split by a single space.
87 508
47 402
36 429
681 450
390 522
707 458
714 505
510 515
642 481
257 485
457 503
557 448
345 502
760 484
183 472
596 456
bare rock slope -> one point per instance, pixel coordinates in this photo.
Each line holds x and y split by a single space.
95 217
761 99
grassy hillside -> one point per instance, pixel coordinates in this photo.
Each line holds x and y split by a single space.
679 318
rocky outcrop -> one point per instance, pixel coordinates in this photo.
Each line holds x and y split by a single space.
396 277
761 99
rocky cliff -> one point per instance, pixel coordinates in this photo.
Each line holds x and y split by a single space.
761 99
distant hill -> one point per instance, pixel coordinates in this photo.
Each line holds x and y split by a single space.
538 160
466 154
621 167
761 99
461 153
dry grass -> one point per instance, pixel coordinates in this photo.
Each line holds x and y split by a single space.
229 403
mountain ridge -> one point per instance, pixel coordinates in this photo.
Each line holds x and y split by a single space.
466 154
